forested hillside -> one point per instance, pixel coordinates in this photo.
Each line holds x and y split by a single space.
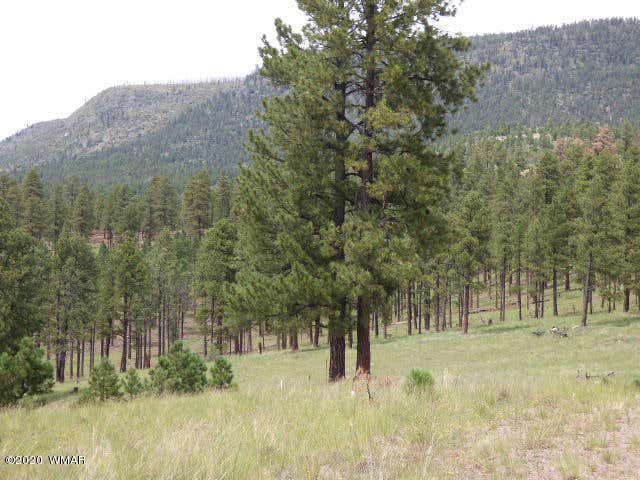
588 71
128 134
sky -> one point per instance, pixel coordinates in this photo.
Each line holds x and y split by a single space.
58 54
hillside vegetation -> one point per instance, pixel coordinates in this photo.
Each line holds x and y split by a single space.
588 71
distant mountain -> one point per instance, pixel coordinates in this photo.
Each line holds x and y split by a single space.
585 72
130 133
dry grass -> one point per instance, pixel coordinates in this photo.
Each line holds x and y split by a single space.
506 405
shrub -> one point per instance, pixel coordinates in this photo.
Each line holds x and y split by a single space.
181 371
636 382
104 383
221 373
25 373
419 381
132 384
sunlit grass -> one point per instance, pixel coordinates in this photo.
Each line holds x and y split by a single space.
506 404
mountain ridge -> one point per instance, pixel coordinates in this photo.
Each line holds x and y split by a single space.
586 71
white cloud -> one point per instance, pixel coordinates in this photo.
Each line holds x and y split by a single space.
58 54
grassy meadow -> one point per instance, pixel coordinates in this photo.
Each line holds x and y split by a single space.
506 405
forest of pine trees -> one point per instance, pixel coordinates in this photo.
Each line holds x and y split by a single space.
356 212
520 220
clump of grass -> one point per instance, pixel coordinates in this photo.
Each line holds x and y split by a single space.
420 381
596 442
636 382
609 456
570 467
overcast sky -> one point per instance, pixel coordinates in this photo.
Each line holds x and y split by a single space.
57 54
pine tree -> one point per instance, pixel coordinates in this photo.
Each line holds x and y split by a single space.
24 270
11 193
130 272
60 211
627 210
197 205
352 130
107 311
215 270
159 207
82 216
35 210
597 235
74 275
222 199
470 250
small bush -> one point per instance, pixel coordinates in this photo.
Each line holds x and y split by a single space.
419 381
25 373
181 371
636 382
132 384
221 373
104 383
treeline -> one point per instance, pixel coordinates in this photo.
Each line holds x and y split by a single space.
525 215
83 269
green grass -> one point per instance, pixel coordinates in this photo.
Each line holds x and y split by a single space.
506 404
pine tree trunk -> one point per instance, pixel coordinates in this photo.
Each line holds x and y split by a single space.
627 299
437 302
376 326
71 359
316 333
444 313
427 317
92 347
555 292
409 311
125 335
466 300
586 292
336 356
363 355
419 307
61 360
503 290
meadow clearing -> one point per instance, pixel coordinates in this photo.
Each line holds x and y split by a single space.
506 405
